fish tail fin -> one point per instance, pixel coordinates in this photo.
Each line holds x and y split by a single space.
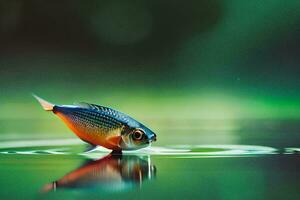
49 187
45 104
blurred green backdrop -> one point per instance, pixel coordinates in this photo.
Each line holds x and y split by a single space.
207 59
195 71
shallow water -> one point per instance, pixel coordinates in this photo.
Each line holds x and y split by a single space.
250 160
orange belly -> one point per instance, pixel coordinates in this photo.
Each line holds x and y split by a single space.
94 136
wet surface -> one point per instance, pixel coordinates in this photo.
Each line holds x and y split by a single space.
184 151
238 167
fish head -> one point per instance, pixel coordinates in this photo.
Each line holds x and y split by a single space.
137 137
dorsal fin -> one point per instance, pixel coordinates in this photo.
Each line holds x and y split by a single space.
83 105
90 106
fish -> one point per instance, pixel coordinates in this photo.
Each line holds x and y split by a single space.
110 174
102 126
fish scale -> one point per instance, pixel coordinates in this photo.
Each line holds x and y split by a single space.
97 119
108 112
91 128
98 116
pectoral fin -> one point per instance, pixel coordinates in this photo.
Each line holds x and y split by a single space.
114 141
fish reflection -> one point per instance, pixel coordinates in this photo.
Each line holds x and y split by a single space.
111 173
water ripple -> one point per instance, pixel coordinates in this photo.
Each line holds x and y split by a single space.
41 147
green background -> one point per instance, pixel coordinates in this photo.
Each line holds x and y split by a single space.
194 71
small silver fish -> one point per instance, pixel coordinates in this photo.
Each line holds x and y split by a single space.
99 125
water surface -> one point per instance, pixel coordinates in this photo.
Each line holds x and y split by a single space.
254 160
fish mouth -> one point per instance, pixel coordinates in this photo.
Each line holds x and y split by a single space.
153 138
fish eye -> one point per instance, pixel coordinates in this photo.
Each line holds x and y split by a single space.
137 135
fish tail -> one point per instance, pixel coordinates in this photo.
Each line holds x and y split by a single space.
49 187
45 104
